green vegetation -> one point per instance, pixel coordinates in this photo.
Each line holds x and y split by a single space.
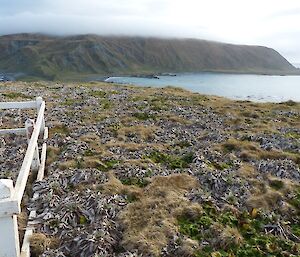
140 182
276 184
295 201
144 116
172 161
238 235
55 58
14 95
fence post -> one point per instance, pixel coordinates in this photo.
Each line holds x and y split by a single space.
9 236
29 126
39 101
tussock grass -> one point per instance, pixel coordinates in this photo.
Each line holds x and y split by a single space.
251 151
58 128
272 193
52 154
144 132
15 95
40 242
151 220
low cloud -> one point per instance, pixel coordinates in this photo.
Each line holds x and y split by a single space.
270 23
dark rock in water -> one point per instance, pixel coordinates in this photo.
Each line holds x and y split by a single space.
168 74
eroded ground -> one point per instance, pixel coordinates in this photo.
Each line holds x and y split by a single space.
162 172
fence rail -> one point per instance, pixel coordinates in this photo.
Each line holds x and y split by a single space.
10 195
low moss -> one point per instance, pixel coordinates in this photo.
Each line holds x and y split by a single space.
276 184
172 161
235 234
140 182
59 129
98 93
14 95
144 116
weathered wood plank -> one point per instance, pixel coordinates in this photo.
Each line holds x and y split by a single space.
41 171
9 236
18 105
17 131
25 169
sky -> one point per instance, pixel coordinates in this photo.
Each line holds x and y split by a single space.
272 23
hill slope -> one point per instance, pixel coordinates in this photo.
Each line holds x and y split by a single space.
51 57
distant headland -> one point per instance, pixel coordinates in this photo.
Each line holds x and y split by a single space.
38 56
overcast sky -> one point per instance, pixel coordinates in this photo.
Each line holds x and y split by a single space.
273 23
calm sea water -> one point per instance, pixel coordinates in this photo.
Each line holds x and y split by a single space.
260 88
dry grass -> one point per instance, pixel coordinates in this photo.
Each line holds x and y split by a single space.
135 146
247 171
267 200
58 128
230 237
178 119
151 220
95 145
22 224
52 154
251 151
271 193
144 132
40 242
115 186
67 164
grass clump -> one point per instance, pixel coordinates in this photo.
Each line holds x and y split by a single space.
144 116
140 182
70 101
59 129
172 161
40 243
98 94
150 221
276 184
14 95
251 151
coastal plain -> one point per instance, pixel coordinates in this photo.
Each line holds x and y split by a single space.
140 171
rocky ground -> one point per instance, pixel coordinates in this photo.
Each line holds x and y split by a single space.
159 172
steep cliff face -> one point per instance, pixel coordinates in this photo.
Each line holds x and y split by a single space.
51 57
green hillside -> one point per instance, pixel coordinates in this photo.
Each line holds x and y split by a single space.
54 57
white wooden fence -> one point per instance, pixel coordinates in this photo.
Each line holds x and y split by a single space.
11 195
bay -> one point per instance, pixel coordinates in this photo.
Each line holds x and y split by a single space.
258 88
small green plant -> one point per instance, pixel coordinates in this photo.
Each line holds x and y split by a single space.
13 95
140 182
248 229
144 116
98 94
276 184
183 144
172 161
70 101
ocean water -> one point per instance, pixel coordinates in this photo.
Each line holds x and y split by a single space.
258 88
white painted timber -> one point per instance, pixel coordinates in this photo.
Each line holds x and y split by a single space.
17 131
39 101
25 250
11 197
9 236
41 171
24 171
9 206
18 105
29 126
